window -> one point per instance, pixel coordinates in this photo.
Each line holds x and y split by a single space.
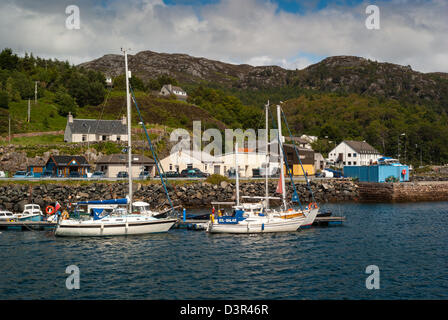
354 155
344 163
171 167
354 163
118 138
104 138
205 167
349 155
189 166
349 163
84 137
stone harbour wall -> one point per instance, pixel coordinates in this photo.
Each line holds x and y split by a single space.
14 196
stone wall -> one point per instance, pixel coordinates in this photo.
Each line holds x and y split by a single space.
403 192
199 194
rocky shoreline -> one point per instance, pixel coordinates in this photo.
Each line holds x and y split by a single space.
13 195
199 194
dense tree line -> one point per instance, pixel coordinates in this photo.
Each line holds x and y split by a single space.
380 122
70 87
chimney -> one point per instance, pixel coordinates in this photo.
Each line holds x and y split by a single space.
70 117
123 120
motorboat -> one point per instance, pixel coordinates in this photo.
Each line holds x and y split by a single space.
31 212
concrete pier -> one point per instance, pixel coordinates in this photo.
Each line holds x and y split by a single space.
403 192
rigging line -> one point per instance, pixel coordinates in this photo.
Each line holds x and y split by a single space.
102 111
286 161
300 161
152 149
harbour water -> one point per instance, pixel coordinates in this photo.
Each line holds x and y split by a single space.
408 243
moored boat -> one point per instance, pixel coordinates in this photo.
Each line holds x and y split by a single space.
31 212
106 217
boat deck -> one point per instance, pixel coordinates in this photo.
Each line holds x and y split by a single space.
27 225
191 224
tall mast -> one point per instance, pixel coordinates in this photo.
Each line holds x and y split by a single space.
128 105
267 157
280 145
237 176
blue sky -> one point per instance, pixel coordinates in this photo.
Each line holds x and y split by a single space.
289 33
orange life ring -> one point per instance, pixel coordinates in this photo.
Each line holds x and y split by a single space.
311 205
49 209
403 172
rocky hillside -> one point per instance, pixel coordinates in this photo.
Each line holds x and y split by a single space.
346 74
187 69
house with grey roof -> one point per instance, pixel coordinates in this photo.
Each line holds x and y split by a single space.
114 163
353 153
169 89
92 130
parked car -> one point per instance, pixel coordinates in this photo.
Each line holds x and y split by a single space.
122 174
47 174
97 175
170 174
193 173
330 173
23 174
74 174
144 175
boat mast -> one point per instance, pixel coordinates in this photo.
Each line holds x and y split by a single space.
266 172
280 145
128 105
237 176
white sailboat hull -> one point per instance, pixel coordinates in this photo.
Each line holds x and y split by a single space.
90 228
278 225
310 216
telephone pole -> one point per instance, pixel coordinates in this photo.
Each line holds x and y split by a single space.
35 92
29 110
9 129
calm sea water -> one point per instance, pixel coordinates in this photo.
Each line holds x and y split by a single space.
408 242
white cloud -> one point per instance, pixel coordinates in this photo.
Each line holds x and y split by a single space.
250 31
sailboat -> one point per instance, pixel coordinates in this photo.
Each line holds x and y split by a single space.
108 219
312 210
258 217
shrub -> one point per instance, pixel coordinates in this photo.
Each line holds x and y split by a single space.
216 179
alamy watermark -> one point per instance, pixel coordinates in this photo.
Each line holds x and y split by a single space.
73 280
373 280
210 145
373 20
73 21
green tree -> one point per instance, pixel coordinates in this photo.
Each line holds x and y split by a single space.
8 60
65 103
4 100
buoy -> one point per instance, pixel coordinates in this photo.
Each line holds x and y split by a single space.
49 209
403 172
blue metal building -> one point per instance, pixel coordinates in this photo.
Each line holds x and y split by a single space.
377 173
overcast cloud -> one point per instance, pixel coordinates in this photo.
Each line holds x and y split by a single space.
257 32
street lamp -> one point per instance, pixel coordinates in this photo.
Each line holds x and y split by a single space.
398 146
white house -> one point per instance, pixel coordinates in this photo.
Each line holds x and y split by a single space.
353 153
183 159
221 164
169 89
92 130
114 163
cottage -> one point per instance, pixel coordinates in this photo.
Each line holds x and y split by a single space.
353 153
112 164
183 159
169 89
306 160
92 130
63 166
